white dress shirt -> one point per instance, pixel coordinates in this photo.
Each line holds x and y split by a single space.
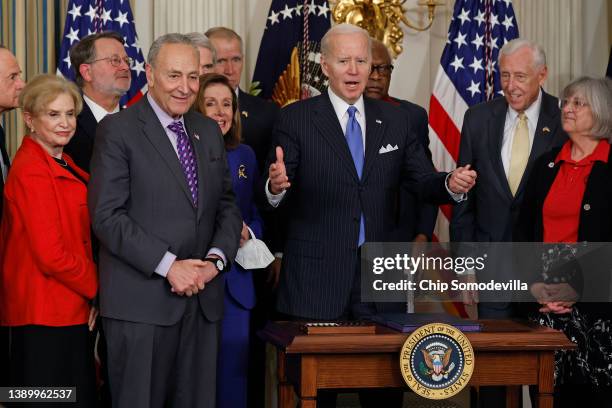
98 111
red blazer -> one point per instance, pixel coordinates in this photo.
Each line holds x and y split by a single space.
47 273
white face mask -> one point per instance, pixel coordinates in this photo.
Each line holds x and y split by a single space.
254 254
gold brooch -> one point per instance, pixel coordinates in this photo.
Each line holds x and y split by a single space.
245 114
242 171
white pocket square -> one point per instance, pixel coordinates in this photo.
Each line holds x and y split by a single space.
387 149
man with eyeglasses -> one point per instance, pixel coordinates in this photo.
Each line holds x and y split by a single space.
416 219
502 139
102 70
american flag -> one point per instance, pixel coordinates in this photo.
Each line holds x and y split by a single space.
288 64
91 16
468 75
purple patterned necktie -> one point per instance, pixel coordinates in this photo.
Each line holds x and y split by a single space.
187 158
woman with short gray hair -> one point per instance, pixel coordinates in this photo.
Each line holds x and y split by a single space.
568 199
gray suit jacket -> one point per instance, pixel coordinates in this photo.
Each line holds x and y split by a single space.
491 211
141 207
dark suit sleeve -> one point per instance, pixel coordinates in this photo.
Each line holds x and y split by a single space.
256 223
79 149
462 222
426 220
285 137
419 174
524 230
108 198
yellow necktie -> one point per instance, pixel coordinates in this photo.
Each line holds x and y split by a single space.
519 153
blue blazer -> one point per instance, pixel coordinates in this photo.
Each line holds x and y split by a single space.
245 176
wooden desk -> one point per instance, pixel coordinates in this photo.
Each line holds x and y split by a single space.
507 353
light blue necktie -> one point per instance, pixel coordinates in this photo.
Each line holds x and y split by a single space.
355 143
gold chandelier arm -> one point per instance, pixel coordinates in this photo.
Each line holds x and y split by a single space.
431 7
382 18
414 27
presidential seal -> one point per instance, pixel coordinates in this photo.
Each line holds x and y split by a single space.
437 361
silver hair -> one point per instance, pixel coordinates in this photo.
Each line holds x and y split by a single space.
202 41
343 28
170 38
512 46
226 34
598 94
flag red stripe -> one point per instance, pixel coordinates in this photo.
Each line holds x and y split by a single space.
447 210
444 126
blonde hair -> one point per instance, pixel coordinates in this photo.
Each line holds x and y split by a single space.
43 89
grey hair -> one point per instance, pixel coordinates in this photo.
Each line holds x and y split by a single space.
598 94
343 28
202 41
226 34
170 38
512 46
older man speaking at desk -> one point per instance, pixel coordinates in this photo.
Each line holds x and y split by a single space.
341 160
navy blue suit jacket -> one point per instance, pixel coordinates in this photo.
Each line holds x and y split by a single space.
245 178
415 217
326 198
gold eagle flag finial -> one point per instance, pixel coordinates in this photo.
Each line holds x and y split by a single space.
287 89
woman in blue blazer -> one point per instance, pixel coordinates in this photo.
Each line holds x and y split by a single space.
217 100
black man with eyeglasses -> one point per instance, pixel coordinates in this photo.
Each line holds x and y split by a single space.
102 70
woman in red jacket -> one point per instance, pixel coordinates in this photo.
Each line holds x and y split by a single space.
47 275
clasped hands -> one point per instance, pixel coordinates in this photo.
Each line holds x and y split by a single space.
461 180
189 276
556 298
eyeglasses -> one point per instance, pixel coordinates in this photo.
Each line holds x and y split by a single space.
576 104
382 69
116 60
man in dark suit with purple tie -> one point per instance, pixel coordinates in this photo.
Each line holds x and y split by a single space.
11 85
163 208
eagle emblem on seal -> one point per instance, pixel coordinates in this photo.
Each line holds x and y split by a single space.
437 357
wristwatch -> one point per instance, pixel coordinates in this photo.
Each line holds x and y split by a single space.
219 264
